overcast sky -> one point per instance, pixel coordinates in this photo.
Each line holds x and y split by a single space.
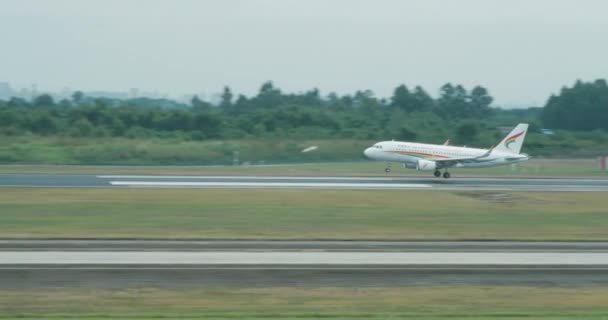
521 50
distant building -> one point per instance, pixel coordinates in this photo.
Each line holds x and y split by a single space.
133 93
34 91
5 90
107 94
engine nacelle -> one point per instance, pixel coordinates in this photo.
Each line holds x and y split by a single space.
426 165
410 165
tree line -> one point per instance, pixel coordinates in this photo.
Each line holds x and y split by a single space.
269 113
409 114
583 106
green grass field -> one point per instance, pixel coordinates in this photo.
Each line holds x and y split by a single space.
314 303
32 149
531 168
301 214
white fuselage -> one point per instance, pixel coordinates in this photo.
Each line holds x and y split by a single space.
409 153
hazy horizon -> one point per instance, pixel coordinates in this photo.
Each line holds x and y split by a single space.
522 51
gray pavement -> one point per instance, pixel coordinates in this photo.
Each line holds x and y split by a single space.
303 245
201 264
303 258
365 183
133 276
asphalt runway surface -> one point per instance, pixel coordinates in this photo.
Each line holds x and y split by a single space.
324 183
303 246
207 264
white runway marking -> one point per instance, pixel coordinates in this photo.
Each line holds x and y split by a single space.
302 258
247 177
267 184
531 180
311 268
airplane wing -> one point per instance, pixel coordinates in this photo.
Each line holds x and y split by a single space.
450 162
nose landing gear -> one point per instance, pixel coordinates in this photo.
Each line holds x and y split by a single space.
388 167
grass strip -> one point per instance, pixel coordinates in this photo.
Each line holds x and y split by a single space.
297 303
301 214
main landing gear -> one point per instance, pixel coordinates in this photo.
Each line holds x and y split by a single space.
446 174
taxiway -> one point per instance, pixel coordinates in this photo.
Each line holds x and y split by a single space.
202 264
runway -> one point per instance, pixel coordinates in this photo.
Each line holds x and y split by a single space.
201 264
302 246
281 182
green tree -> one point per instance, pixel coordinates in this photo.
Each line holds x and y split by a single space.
43 100
584 106
408 101
82 127
77 96
467 132
17 102
241 105
456 103
226 99
403 99
43 123
406 134
268 96
422 99
452 101
480 102
197 103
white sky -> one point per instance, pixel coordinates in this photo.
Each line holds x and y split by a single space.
522 50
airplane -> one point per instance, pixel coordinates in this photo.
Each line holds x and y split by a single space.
433 157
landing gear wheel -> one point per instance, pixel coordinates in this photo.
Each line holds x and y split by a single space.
437 173
446 175
387 170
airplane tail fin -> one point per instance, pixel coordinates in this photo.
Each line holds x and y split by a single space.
514 140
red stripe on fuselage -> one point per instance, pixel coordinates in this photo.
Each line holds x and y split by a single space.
420 154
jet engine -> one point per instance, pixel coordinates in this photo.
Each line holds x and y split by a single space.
410 165
426 165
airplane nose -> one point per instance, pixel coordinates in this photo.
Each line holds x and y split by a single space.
368 152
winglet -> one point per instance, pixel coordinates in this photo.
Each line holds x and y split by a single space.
447 142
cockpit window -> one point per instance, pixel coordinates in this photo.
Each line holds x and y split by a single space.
377 146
